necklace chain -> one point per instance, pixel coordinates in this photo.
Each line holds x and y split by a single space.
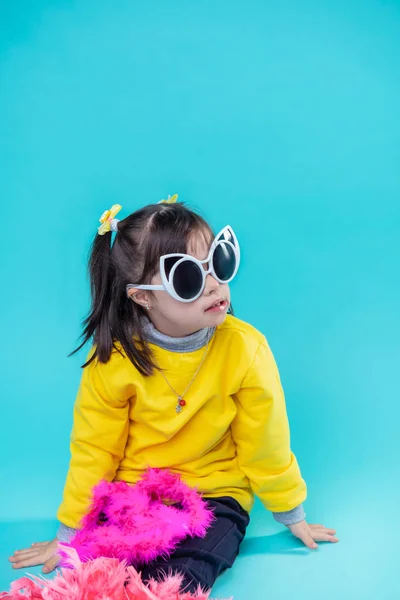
181 401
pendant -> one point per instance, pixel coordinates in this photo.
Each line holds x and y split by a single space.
181 403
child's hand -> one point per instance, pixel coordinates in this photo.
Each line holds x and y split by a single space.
40 553
309 534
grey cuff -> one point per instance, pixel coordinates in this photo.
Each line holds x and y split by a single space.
290 517
65 533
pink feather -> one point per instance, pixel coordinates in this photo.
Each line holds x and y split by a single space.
132 523
99 579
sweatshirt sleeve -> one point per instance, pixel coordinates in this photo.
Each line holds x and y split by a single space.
64 533
98 437
290 517
261 433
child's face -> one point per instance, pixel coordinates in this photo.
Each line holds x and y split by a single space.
179 319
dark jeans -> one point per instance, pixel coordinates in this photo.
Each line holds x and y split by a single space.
201 560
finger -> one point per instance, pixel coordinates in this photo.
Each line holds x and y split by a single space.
40 543
307 540
24 555
330 531
21 559
320 533
324 531
32 561
325 537
322 528
51 564
25 550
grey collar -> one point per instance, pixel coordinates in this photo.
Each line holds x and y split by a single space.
189 343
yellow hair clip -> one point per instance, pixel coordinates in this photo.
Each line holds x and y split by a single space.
170 200
106 219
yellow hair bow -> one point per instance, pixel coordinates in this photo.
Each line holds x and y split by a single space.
107 217
170 200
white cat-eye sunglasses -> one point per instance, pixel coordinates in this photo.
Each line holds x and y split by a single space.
184 276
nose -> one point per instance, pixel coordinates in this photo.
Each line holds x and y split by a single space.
211 285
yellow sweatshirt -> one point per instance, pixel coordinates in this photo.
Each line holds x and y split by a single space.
231 439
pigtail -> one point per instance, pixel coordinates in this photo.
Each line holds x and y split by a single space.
113 317
98 324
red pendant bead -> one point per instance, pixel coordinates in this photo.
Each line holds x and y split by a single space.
182 402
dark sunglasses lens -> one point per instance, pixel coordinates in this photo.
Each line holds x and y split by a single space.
188 279
169 263
224 261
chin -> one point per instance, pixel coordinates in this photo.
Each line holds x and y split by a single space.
216 319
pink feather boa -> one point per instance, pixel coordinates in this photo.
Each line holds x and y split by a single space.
99 579
132 523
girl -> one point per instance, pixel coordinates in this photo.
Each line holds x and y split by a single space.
174 382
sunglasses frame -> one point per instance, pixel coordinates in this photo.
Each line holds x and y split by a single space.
167 284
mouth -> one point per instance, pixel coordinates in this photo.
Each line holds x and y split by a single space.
217 306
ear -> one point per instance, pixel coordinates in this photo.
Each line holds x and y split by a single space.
141 297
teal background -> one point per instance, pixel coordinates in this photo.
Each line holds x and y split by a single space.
279 118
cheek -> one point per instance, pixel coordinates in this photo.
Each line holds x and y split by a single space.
226 291
183 312
165 303
169 307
